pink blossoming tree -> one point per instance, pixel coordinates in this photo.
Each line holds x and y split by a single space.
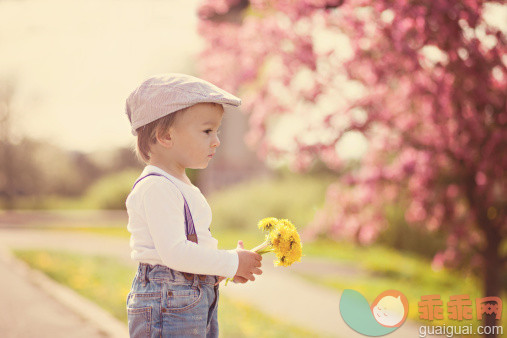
424 81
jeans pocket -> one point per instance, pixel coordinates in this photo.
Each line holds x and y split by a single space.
139 319
143 311
181 298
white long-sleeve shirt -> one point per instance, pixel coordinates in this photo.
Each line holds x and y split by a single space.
157 226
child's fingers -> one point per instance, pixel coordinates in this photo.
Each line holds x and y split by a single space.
239 279
257 271
240 244
250 277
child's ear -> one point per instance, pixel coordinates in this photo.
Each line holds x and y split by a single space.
164 138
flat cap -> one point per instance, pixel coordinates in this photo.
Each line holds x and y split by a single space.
164 94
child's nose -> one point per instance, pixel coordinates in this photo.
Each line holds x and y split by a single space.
216 142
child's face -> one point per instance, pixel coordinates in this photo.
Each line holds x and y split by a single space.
194 135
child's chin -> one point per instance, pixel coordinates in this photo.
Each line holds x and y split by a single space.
199 166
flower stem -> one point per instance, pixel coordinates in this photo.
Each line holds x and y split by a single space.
262 248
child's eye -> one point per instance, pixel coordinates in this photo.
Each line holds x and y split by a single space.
207 131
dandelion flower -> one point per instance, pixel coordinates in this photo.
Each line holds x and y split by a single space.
267 224
286 243
282 239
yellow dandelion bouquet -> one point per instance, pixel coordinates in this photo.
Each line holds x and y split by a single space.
282 238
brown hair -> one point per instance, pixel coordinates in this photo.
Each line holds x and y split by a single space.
147 134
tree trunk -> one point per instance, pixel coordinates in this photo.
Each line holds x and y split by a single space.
6 165
9 176
492 273
491 259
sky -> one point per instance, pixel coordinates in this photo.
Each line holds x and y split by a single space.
74 62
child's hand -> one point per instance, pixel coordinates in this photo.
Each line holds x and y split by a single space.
249 264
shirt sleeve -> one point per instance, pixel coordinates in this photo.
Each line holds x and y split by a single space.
164 212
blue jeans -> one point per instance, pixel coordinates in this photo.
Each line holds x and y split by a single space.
162 303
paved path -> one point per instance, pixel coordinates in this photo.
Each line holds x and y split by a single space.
83 242
40 307
279 292
25 311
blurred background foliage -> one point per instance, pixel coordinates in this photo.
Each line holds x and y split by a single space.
50 178
285 195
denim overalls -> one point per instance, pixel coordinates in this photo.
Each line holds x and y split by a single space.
167 303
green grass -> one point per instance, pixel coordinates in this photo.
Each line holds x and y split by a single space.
106 282
54 202
289 196
237 319
100 279
228 238
110 192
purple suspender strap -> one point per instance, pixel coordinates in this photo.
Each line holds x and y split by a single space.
189 222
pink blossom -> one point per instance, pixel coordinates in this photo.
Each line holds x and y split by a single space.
437 130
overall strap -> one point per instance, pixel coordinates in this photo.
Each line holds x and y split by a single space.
189 222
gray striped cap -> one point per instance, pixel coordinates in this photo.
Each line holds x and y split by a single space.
164 94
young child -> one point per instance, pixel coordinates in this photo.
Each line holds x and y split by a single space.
175 291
